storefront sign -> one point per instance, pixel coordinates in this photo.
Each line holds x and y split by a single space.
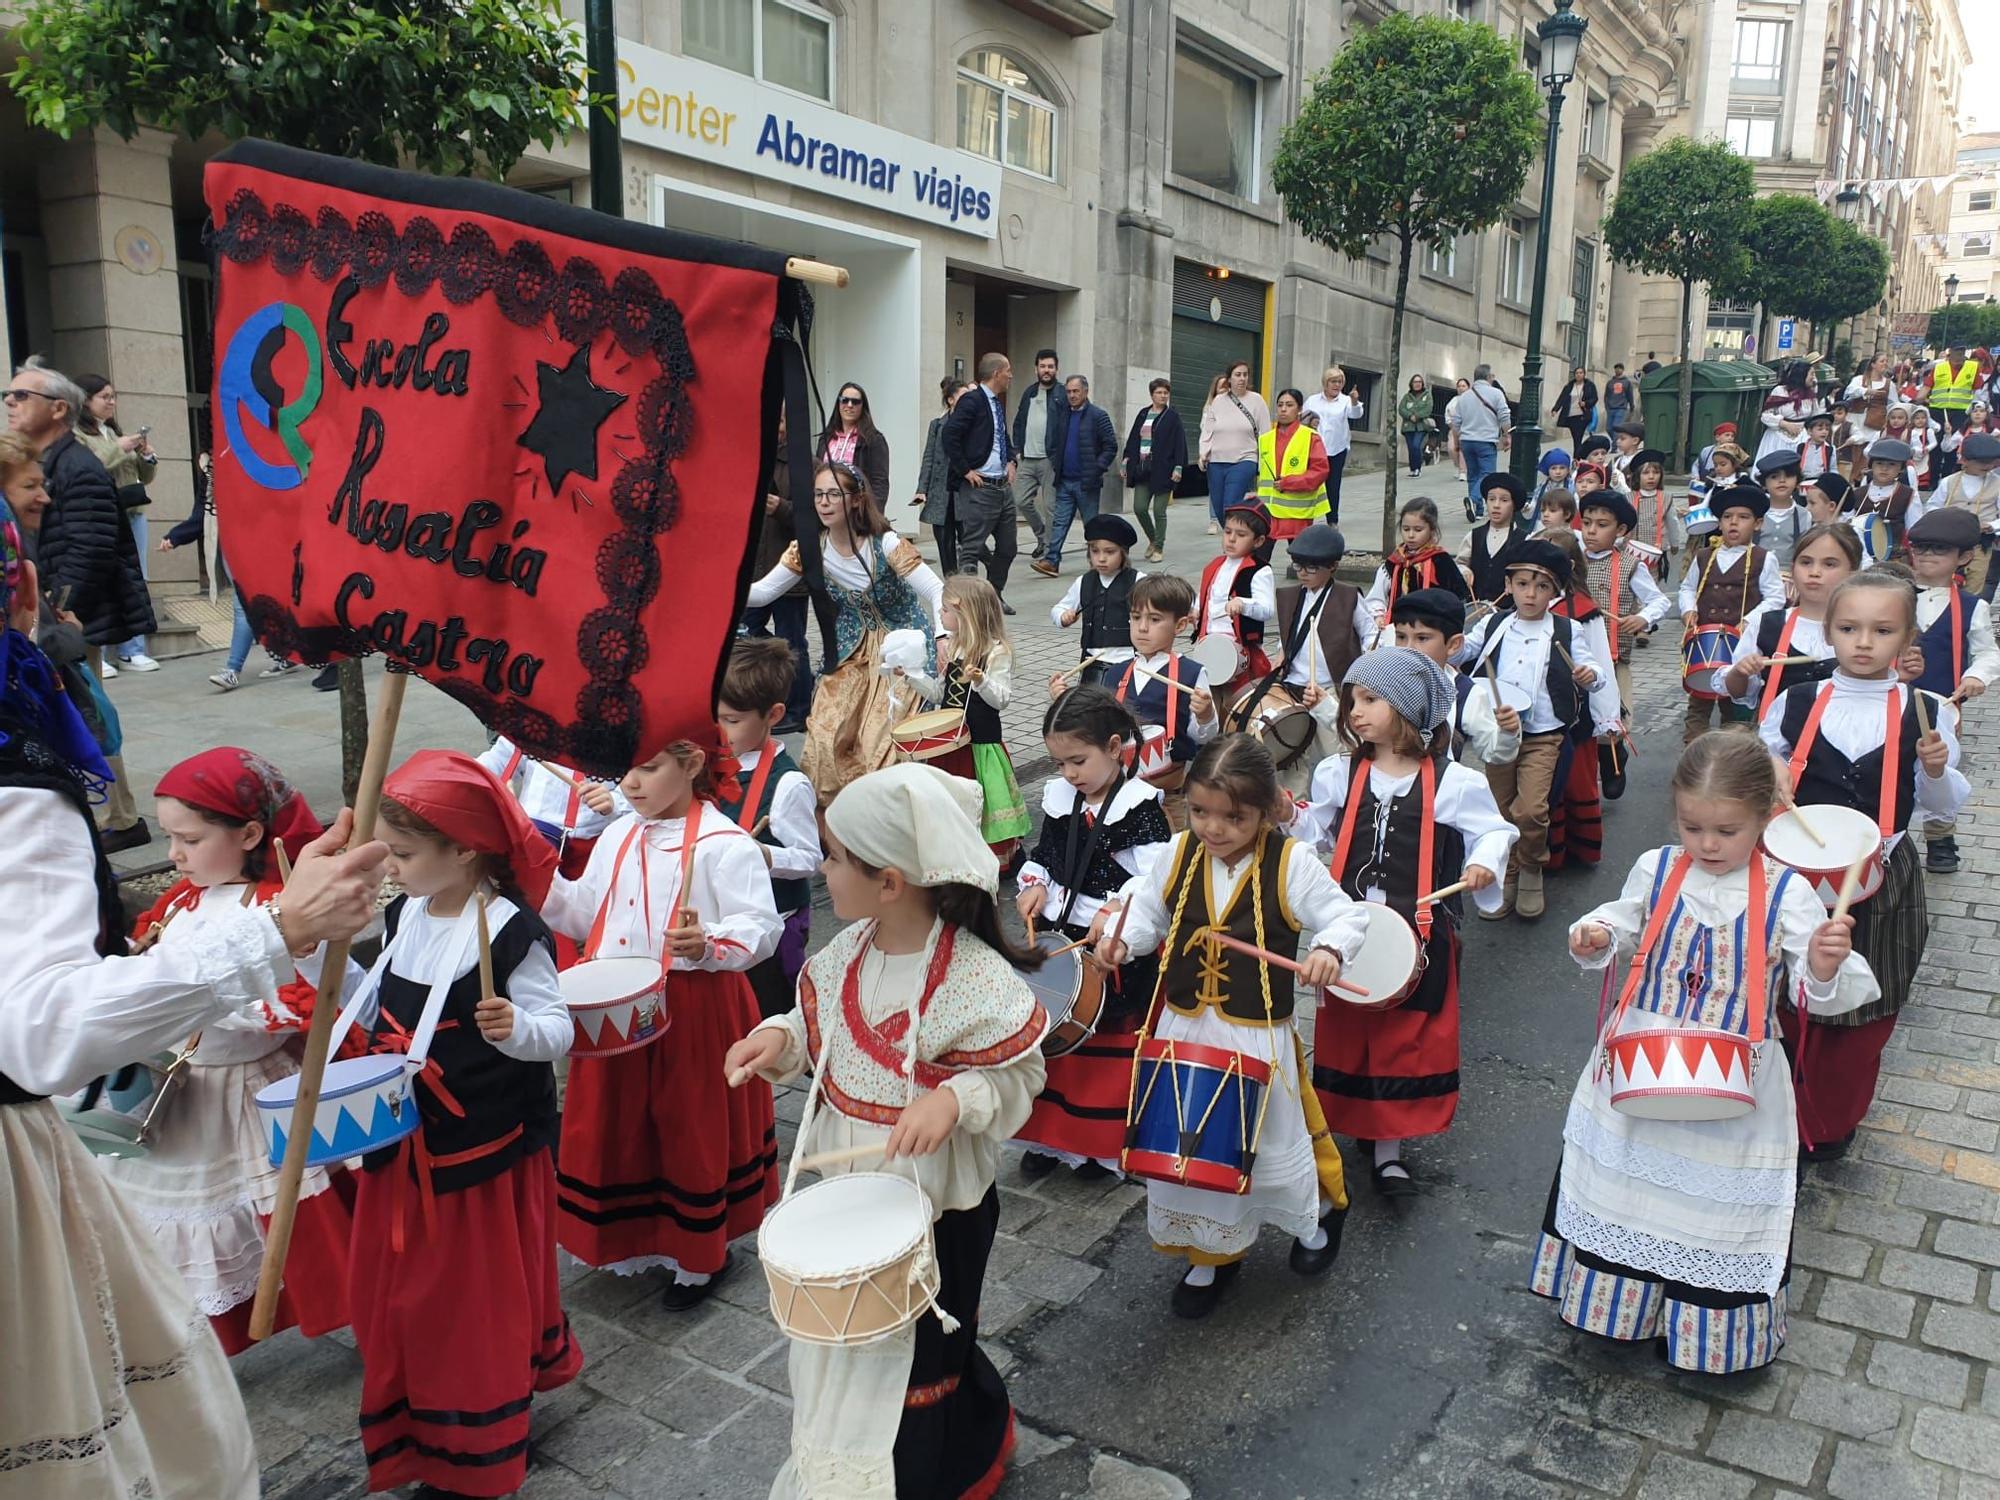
694 109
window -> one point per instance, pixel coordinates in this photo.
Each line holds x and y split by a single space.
1978 244
1215 123
780 41
1752 135
1596 127
1758 66
1442 260
1980 202
1514 260
1003 114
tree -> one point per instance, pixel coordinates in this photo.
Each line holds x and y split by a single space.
1419 130
1964 325
1801 261
1682 211
1854 272
461 87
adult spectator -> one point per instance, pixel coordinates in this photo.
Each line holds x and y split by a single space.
1950 386
1652 363
1291 469
1480 432
1038 418
131 463
1231 424
1414 419
934 481
785 616
1575 406
1155 456
1791 401
1084 455
127 1391
1872 379
851 438
979 457
85 554
1333 408
1620 396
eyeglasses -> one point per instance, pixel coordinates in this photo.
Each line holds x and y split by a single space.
829 494
16 395
850 401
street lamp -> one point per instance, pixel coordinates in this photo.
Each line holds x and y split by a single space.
1561 37
1849 199
1950 296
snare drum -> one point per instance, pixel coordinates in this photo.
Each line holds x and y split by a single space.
1070 990
1154 762
1845 835
1389 965
849 1260
1648 554
1681 1073
1220 658
117 1115
1700 519
1196 1115
365 1104
927 736
1276 717
1706 651
617 1004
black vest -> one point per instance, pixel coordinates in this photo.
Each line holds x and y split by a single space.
1489 570
1250 632
1210 974
1105 609
502 1097
1565 697
1769 628
981 717
788 894
1065 843
1831 778
1394 869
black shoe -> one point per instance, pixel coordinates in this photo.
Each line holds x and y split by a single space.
1941 856
681 1296
135 837
1006 608
1319 1262
327 680
1092 1171
1035 1165
1828 1150
1399 1185
1468 510
1199 1301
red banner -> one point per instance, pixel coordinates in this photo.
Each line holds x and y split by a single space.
509 443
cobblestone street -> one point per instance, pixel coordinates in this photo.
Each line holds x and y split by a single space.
1454 1381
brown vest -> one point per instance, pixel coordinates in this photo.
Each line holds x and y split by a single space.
1597 579
1725 598
1334 625
1197 974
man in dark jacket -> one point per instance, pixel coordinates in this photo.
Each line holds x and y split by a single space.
1038 418
1084 455
85 554
979 455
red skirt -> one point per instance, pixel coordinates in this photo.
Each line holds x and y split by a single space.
1081 1109
313 1295
661 1160
1384 1075
1836 1084
459 1330
1576 811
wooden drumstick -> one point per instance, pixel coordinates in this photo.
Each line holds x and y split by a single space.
1094 657
1805 825
1850 883
563 776
1030 921
1449 891
485 953
1082 942
1278 959
1493 680
1923 713
820 1160
284 861
760 825
1791 661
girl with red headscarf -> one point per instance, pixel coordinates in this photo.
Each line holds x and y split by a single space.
207 1186
458 1312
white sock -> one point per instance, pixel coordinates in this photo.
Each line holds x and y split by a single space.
1391 1151
1199 1276
690 1278
1316 1240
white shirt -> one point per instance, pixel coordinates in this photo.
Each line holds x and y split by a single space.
995 685
1326 917
1808 639
546 797
1520 650
1979 494
1653 604
1855 721
1464 803
1334 415
1983 658
1261 605
1309 655
848 570
794 822
1768 587
1072 599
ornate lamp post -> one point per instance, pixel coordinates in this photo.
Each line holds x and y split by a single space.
1562 37
1950 296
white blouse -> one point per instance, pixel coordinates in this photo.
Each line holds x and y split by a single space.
850 570
995 685
729 890
1464 803
794 822
545 797
68 1014
1808 639
1326 916
243 1035
1261 605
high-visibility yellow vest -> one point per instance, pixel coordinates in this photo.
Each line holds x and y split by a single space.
1952 391
1285 506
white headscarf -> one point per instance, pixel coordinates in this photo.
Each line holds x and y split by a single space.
916 819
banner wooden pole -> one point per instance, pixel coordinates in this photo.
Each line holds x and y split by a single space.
298 1143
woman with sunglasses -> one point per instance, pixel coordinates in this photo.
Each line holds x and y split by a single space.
851 438
878 585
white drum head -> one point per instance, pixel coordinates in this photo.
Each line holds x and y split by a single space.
1512 695
847 1223
1844 836
1217 656
1387 961
601 980
346 1075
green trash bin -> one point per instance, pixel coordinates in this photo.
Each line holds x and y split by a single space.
1723 390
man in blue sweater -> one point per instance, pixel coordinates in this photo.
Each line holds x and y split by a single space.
1088 446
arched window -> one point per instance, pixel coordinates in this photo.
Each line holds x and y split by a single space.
1003 114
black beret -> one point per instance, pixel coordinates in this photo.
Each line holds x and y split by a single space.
1643 457
1109 528
1546 557
1439 607
1597 442
1949 526
1500 479
1835 487
1778 460
1743 496
1319 545
1623 511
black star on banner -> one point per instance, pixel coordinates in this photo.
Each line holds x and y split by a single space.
564 432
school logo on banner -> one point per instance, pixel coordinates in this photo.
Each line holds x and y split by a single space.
511 444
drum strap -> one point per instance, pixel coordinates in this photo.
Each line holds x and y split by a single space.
1892 754
753 797
689 834
1756 955
1426 845
1173 680
1074 869
1774 676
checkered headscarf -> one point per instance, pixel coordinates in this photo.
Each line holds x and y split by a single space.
1411 683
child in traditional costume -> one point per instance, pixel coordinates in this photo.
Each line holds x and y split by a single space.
976 676
457 1300
1681 1229
1556 513
1619 580
1955 634
1484 554
1576 799
1890 494
777 805
924 1041
1781 473
1402 819
1100 597
1774 636
1485 729
1662 523
1236 872
1322 626
1860 741
568 808
206 1186
1734 576
663 1164
1165 690
1101 826
1418 562
1238 596
1555 469
878 584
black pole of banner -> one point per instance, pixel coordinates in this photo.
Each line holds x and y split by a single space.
607 168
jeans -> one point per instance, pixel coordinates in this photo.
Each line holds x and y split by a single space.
1230 484
1149 506
1336 466
986 531
788 615
1613 415
1413 442
1034 482
136 519
1074 500
1480 460
241 637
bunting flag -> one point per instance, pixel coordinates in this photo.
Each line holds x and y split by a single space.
511 444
